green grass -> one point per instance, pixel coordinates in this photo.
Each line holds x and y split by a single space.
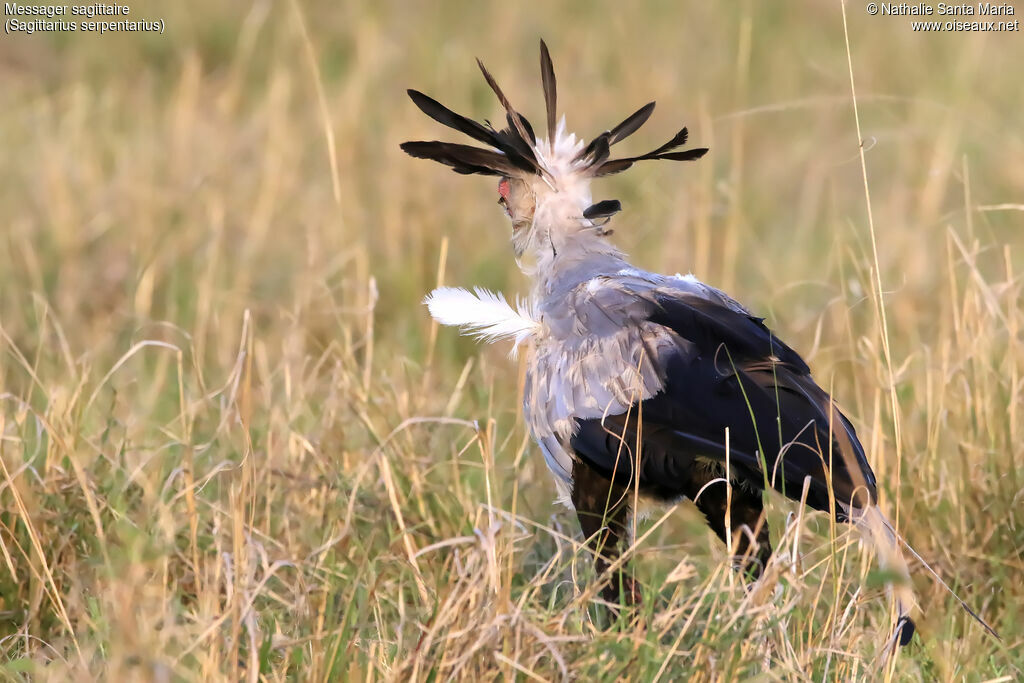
234 446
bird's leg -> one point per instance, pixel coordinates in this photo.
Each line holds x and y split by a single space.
603 510
752 546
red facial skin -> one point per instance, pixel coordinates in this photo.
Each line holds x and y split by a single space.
503 190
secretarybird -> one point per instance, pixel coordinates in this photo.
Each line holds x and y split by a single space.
646 386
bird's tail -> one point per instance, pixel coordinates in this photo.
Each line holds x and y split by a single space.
879 533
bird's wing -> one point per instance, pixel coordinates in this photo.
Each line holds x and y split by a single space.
728 372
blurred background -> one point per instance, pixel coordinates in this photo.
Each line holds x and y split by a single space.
234 445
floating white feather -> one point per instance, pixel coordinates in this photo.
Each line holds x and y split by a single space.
483 313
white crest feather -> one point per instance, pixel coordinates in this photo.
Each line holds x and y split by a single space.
483 313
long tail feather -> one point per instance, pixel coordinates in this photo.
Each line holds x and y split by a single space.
877 532
974 615
880 534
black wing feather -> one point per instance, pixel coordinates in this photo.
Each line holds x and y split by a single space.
711 326
733 374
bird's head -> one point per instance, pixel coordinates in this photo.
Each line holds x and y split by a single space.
544 183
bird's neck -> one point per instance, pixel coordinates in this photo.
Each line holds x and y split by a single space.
571 259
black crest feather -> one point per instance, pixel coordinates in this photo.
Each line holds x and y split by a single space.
516 121
619 165
447 117
547 77
520 156
677 141
596 153
663 152
603 209
462 158
631 124
525 122
513 152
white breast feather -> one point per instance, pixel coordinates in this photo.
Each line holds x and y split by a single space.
483 313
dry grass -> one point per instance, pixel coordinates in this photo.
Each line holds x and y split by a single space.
234 447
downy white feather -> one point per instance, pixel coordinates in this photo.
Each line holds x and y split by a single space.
483 313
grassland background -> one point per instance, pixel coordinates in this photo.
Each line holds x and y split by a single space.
234 446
